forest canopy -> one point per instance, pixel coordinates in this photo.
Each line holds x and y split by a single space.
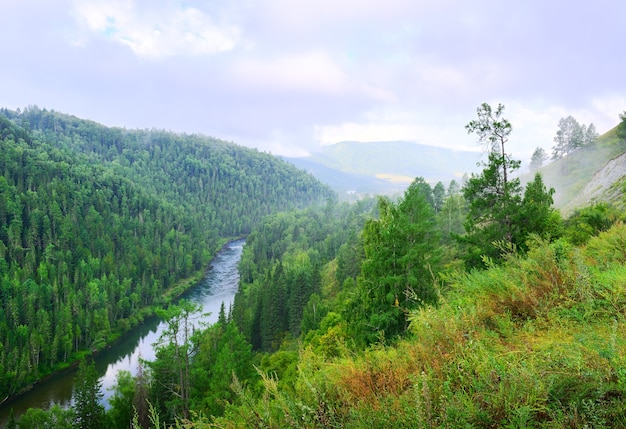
97 224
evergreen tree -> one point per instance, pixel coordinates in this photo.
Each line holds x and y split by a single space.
439 196
452 214
537 159
536 214
621 127
173 364
121 402
11 423
493 198
401 257
89 413
590 135
498 218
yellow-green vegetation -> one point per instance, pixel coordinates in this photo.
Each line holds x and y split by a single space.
395 178
539 341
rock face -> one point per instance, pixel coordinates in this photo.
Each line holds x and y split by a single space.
602 185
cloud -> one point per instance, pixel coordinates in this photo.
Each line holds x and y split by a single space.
153 32
393 124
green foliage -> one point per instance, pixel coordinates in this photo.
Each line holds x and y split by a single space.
536 214
569 137
499 220
121 401
537 159
98 224
401 259
89 413
282 266
537 341
621 127
587 222
55 418
223 354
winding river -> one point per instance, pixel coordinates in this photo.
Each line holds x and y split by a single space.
219 285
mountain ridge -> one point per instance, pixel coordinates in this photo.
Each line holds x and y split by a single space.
386 166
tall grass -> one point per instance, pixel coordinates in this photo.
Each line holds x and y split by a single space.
539 342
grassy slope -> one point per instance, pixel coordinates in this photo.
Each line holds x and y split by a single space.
538 342
571 174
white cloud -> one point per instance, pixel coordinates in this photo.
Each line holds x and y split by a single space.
153 32
606 111
389 125
308 71
313 72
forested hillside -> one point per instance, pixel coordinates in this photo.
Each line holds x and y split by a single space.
472 306
99 223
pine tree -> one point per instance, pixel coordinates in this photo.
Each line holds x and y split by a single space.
401 255
537 159
493 197
89 413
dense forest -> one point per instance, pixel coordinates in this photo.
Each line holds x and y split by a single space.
98 224
469 305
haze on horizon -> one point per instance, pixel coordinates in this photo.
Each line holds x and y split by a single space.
286 77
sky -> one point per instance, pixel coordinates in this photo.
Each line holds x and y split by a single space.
287 76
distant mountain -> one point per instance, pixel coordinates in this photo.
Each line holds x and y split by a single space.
385 166
346 183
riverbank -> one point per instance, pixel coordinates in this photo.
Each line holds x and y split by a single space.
122 330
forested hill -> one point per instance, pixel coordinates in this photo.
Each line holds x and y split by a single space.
235 185
97 223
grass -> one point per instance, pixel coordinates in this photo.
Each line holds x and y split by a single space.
539 342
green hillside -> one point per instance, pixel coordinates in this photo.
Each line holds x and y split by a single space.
99 224
537 342
572 173
477 307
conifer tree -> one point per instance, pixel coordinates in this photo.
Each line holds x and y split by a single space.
89 413
493 197
497 217
401 256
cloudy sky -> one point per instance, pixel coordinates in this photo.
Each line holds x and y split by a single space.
287 76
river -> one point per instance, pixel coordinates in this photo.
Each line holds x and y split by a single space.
219 285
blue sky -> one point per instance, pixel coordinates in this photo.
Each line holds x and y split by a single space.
286 76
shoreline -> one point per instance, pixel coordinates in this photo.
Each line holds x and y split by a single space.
142 316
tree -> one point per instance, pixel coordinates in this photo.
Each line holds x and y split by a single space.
493 131
401 256
498 218
452 213
174 350
121 411
590 135
536 214
492 209
223 354
439 195
570 136
537 159
11 423
621 127
491 195
89 412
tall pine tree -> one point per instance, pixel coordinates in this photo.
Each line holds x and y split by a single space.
89 413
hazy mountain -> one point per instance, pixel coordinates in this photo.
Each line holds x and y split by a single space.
383 167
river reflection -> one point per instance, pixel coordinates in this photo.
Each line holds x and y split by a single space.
220 285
